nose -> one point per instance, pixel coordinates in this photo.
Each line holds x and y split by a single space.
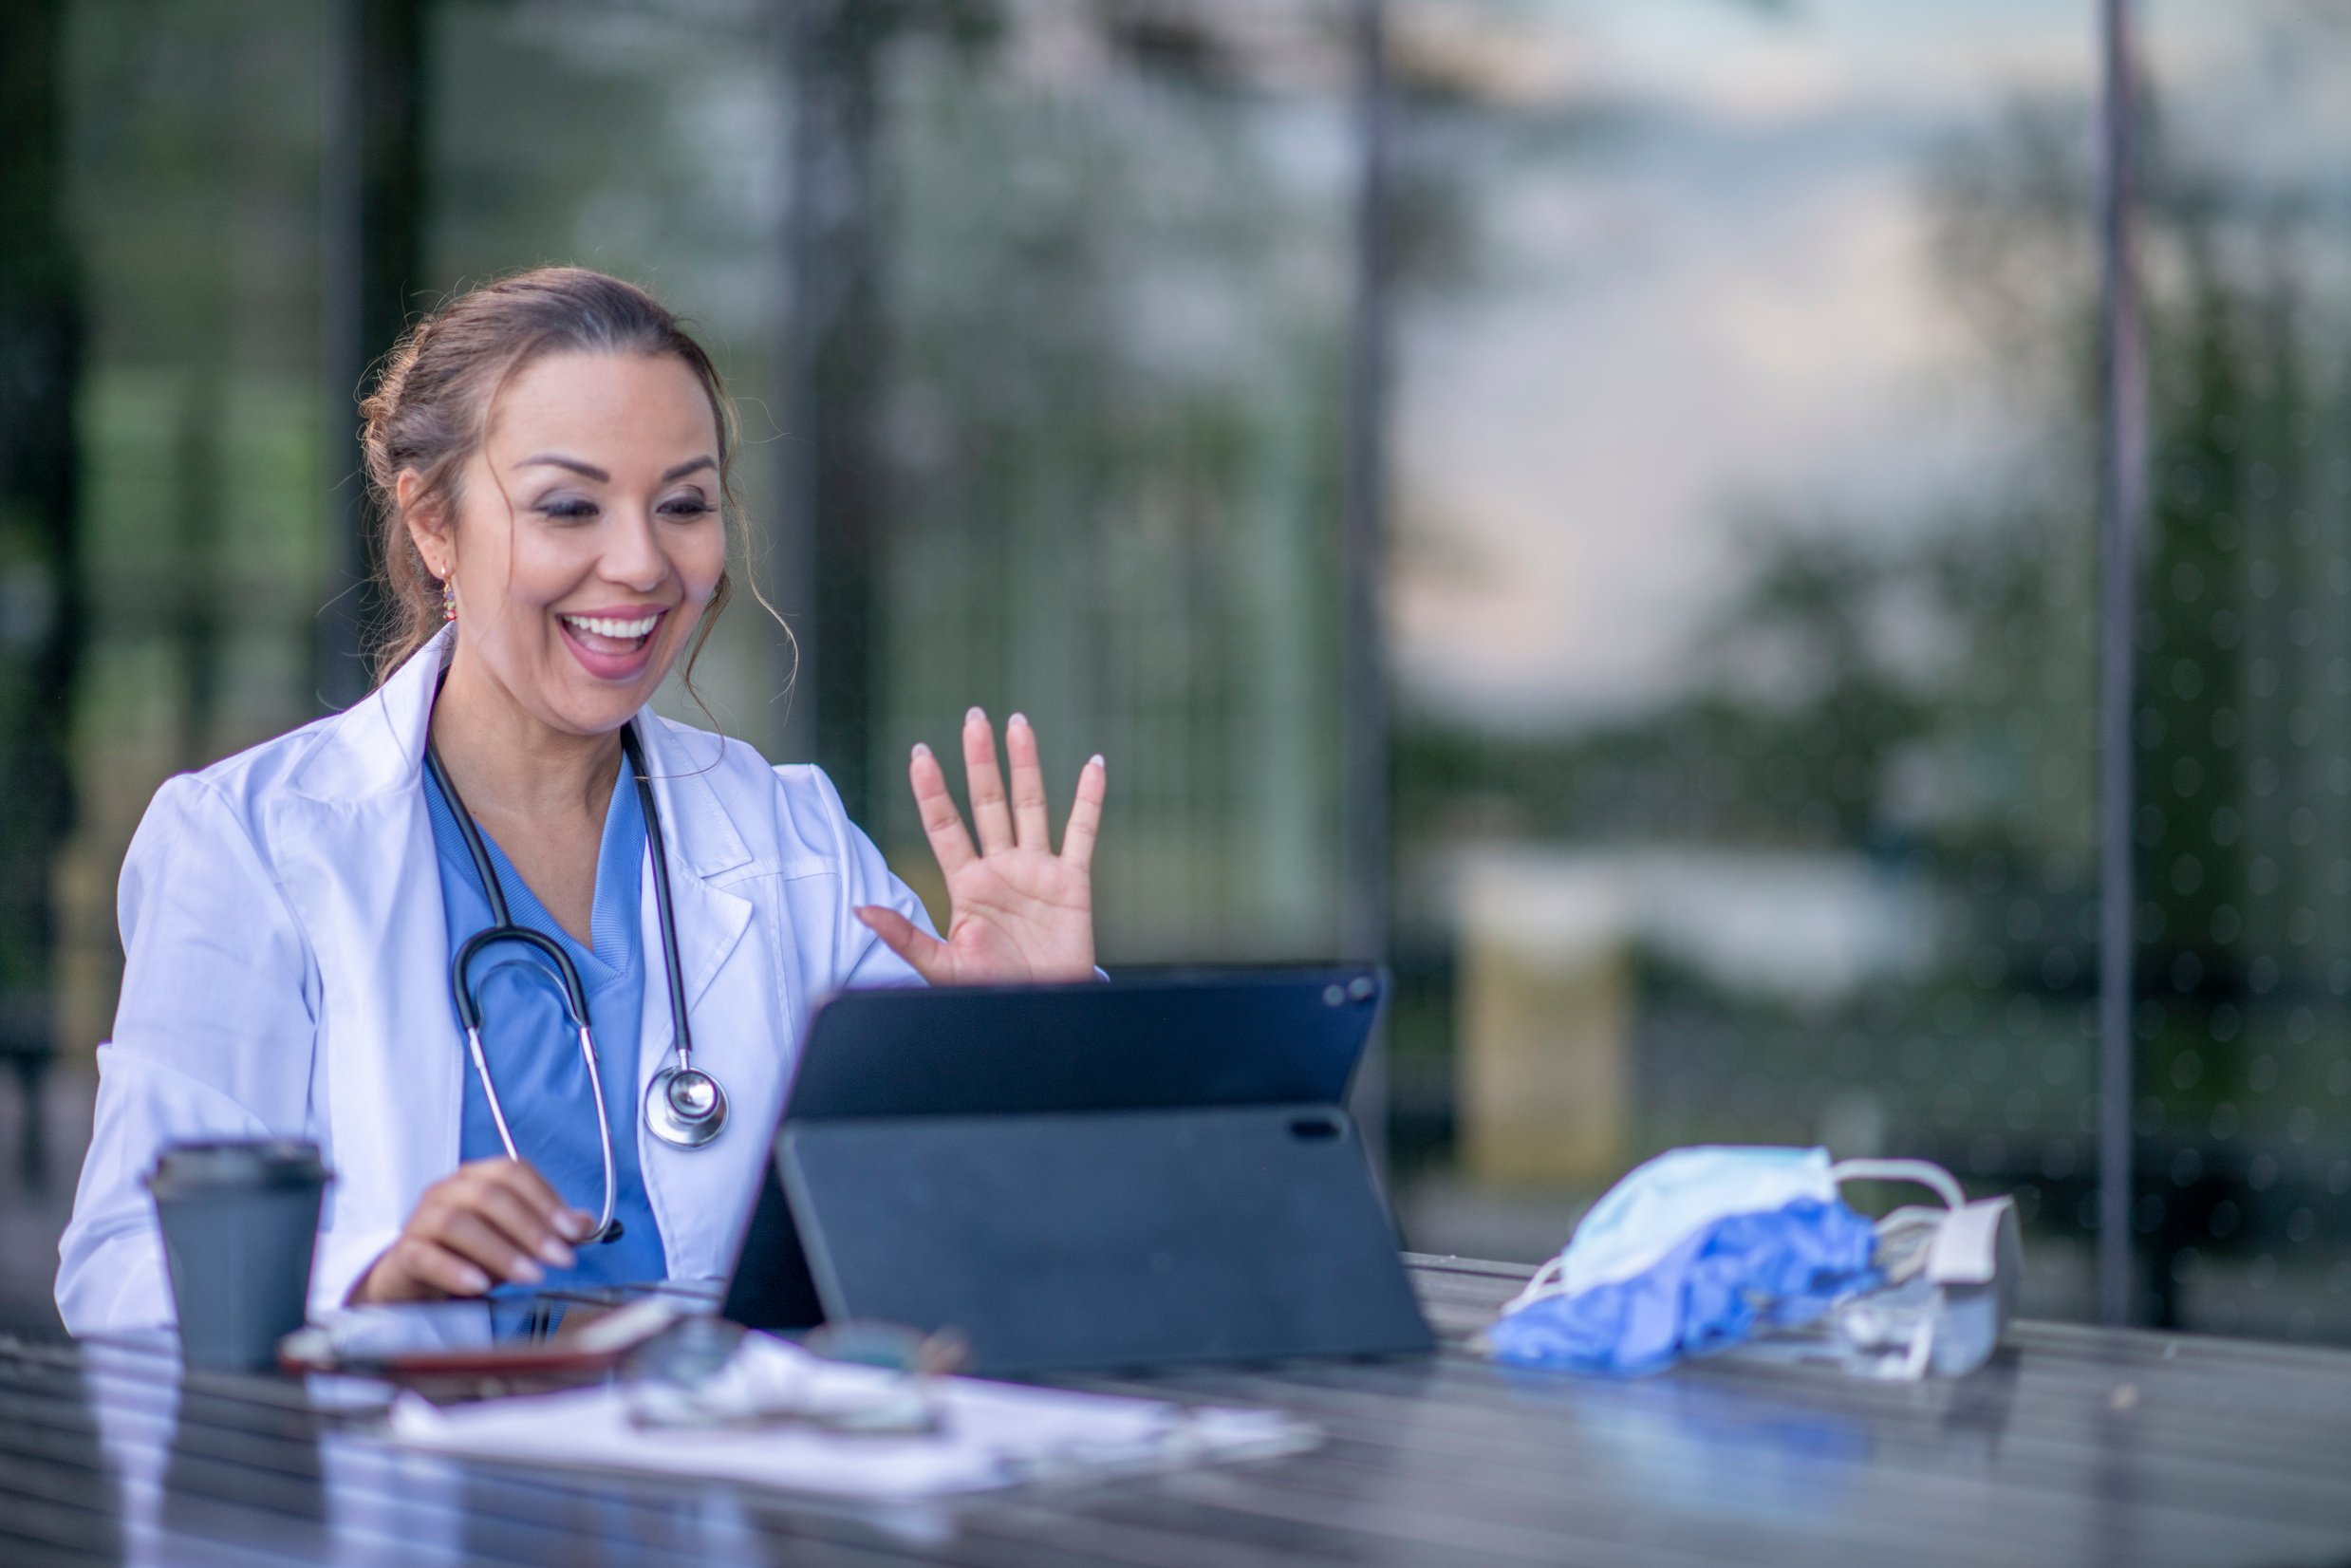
633 556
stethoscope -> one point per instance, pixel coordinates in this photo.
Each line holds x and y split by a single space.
683 1105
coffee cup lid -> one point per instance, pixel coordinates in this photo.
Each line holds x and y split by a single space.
245 1162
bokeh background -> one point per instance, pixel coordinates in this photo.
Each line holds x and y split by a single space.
1699 397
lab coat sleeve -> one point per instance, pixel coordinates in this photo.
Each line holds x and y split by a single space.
213 1037
860 958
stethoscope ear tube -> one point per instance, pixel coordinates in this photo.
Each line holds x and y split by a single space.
574 1003
567 974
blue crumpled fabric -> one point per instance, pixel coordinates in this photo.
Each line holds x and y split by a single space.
1781 1268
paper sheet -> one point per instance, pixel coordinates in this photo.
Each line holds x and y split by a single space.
991 1436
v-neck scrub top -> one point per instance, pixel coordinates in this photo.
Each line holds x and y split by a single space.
529 1042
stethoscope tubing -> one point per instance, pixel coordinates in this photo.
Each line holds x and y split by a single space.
574 1002
671 968
503 929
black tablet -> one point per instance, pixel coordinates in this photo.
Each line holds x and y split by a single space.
1154 1169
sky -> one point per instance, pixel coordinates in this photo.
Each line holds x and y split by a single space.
1724 305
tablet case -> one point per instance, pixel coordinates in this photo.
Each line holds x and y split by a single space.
1078 1177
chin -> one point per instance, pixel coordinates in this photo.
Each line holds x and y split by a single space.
595 707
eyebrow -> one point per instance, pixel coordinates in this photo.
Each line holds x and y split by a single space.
589 471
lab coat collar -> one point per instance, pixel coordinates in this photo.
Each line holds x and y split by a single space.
376 747
696 832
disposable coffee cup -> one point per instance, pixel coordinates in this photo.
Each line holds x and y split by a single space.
240 1224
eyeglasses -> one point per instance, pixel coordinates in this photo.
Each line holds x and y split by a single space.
855 1379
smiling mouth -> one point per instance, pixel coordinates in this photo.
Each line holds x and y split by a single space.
611 633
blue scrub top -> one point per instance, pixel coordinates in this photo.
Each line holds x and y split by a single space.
532 1052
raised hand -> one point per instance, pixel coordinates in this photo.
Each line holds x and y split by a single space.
1018 910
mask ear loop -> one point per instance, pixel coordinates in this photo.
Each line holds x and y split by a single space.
1550 1280
1917 1172
1921 1173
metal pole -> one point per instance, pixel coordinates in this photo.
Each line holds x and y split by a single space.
338 677
43 352
371 183
1364 933
831 502
2123 447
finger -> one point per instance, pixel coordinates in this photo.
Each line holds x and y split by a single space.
481 1243
1085 814
986 782
931 958
526 1224
436 1268
1032 825
941 822
522 1179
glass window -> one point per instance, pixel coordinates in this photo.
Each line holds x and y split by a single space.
2244 1109
1743 601
1112 314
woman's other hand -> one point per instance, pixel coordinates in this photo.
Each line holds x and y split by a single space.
485 1223
1019 911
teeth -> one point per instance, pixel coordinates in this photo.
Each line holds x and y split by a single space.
605 627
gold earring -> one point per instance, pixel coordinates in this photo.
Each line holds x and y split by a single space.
448 599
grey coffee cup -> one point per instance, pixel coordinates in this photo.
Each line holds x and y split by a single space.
240 1223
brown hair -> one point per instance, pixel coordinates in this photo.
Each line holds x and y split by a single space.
430 411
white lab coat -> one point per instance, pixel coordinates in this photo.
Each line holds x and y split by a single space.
286 975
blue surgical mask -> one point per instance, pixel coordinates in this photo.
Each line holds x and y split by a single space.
1689 1254
1649 1212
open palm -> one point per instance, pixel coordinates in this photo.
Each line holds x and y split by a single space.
1019 911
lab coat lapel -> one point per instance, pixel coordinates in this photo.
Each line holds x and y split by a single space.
697 1193
702 845
355 853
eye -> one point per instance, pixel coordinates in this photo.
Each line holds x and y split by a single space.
568 508
685 508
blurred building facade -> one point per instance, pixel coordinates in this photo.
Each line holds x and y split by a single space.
1738 441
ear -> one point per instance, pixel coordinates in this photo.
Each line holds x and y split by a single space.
427 524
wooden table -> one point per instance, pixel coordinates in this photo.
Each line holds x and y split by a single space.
2079 1445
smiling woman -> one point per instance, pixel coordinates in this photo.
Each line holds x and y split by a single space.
471 867
559 351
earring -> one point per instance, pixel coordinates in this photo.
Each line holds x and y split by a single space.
448 599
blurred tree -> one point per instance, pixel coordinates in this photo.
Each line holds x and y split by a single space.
372 264
1111 418
832 494
41 603
836 352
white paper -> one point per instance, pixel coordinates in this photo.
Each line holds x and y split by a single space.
991 1434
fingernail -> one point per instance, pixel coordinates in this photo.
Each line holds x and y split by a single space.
557 1254
1095 762
976 715
526 1271
1019 719
921 750
473 1280
578 1224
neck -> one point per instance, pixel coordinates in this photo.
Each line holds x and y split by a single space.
509 763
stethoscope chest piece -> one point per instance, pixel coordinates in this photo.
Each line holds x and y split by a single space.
684 1107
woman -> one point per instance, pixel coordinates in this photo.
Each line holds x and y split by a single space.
550 458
